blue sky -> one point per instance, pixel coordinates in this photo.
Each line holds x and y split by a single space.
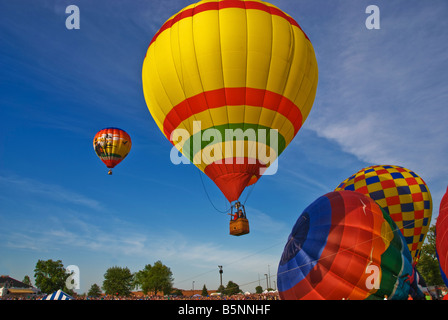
381 99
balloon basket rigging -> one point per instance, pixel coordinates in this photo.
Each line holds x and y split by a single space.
238 225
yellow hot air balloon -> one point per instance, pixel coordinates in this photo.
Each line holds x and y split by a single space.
230 84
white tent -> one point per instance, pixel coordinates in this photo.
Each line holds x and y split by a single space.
58 295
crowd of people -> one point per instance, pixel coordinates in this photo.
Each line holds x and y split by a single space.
252 296
271 295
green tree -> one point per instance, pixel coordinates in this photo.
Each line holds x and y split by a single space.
177 292
140 279
118 281
51 276
232 288
204 292
428 265
94 291
26 280
221 289
258 289
156 278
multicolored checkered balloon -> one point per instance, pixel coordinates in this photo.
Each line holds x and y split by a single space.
402 194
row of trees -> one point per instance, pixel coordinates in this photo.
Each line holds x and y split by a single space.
51 275
152 279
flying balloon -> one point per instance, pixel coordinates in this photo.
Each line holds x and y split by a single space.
112 145
402 194
442 238
230 83
344 246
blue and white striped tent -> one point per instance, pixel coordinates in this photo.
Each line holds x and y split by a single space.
58 295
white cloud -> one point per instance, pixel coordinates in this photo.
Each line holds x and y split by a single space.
265 223
49 191
383 92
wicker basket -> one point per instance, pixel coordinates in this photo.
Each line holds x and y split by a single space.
239 227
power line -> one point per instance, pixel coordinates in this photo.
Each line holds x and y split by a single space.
232 262
333 254
301 266
349 248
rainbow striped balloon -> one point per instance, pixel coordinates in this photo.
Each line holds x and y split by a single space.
230 84
345 246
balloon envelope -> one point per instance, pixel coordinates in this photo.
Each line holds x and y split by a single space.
230 84
402 194
442 237
344 246
112 145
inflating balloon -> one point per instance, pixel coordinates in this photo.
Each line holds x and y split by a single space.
402 194
230 83
344 246
112 145
442 237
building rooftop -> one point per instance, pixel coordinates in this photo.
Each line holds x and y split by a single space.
7 281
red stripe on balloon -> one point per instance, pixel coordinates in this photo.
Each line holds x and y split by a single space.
232 97
224 5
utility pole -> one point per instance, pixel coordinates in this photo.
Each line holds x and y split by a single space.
220 274
269 273
267 284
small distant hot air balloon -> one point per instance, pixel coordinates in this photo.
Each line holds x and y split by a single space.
344 246
402 194
442 237
233 81
112 145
